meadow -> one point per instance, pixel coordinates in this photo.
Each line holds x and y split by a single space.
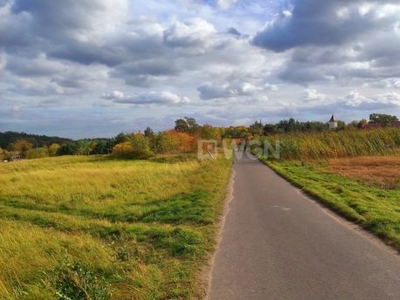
355 173
92 227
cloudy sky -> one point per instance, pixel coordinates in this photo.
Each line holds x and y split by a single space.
94 68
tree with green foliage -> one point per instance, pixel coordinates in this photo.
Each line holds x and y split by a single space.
236 132
40 152
207 132
121 137
83 147
103 146
256 129
382 119
68 149
187 125
141 148
148 132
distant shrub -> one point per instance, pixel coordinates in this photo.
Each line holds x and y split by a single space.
37 153
136 148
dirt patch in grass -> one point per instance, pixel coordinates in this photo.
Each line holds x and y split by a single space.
379 171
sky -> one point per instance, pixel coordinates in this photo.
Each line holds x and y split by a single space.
95 68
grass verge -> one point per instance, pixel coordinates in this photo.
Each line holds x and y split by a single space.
95 228
373 207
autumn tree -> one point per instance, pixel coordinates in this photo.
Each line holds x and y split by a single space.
20 146
136 147
53 148
123 150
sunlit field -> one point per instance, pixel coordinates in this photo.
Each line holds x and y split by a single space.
97 228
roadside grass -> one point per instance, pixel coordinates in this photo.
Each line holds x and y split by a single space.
100 228
368 203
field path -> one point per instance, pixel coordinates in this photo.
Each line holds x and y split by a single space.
279 244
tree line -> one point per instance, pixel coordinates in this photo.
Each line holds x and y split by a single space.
182 138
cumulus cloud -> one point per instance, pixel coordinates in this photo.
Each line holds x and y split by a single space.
59 56
322 23
145 98
114 95
196 33
210 91
384 83
313 95
225 4
39 66
331 41
355 100
71 18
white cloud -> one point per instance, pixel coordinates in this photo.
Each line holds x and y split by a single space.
210 91
225 4
313 95
146 98
115 95
195 33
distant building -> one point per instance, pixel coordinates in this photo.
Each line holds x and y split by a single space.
16 157
333 122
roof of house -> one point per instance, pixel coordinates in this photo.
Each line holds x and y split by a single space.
333 119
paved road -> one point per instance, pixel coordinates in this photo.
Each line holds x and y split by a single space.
278 244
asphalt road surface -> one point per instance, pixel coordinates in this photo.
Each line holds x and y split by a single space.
279 244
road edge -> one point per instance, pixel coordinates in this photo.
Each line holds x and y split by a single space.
209 266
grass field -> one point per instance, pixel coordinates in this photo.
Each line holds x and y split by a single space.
96 228
365 190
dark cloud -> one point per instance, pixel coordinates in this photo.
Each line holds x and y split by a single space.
87 54
75 83
33 67
66 14
234 31
321 23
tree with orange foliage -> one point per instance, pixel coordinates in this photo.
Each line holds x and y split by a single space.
186 142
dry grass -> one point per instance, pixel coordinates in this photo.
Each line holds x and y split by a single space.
143 227
337 144
374 170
